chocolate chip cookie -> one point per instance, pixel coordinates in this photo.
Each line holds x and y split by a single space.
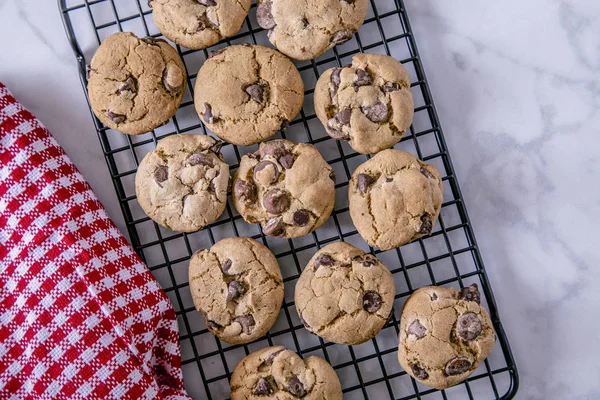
135 84
444 335
277 373
368 103
306 29
394 198
237 286
182 184
285 187
247 93
197 24
344 295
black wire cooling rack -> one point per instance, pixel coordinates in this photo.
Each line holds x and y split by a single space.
449 257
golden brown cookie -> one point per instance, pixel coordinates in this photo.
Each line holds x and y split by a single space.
237 286
246 93
444 335
275 373
197 24
344 295
135 85
182 184
285 187
368 103
394 198
306 29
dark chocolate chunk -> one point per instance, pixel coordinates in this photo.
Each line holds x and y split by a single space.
267 164
116 118
211 325
262 387
434 296
226 267
256 92
376 112
419 372
458 365
390 87
171 74
207 115
295 387
130 85
304 25
287 160
371 302
301 217
161 174
200 159
341 37
273 148
334 129
274 227
153 41
234 290
207 3
216 148
264 17
344 116
369 261
276 201
468 327
324 259
245 191
269 360
332 176
471 293
364 181
362 78
213 53
417 329
426 224
247 322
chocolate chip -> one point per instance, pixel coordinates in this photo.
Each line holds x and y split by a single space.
457 366
207 3
284 125
369 262
226 267
264 17
324 259
130 85
471 293
211 325
426 172
207 115
434 296
287 161
88 71
344 116
371 302
304 25
332 176
417 329
335 81
200 159
216 148
468 327
256 92
364 181
245 191
274 227
276 201
266 164
341 37
269 360
273 148
362 78
213 53
116 118
335 129
161 174
262 387
419 372
234 290
389 179
426 224
301 217
247 322
295 387
152 41
390 87
173 78
150 3
376 112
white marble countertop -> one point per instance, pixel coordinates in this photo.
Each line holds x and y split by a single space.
517 89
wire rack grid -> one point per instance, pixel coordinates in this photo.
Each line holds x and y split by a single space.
448 257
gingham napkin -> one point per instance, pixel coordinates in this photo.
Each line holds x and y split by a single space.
80 314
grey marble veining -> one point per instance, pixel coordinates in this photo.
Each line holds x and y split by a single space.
517 89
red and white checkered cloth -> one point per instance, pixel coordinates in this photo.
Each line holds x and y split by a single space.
80 314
